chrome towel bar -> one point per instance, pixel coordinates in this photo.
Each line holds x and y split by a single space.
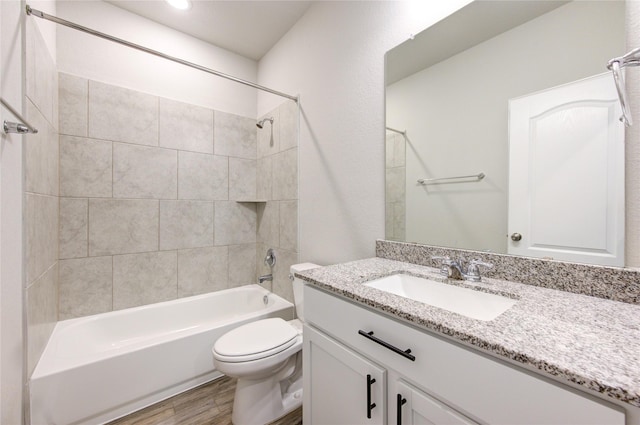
478 177
14 127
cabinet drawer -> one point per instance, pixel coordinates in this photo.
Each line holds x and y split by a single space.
482 388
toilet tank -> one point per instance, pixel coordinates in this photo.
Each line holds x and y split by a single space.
297 286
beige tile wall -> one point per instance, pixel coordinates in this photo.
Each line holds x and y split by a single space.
148 207
277 183
41 201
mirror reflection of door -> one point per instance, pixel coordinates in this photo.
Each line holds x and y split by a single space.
449 87
566 173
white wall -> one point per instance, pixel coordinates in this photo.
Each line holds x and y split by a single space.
477 84
12 223
46 28
334 59
11 245
101 60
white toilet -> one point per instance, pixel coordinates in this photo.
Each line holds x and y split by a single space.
265 356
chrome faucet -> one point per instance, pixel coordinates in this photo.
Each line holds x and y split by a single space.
450 268
265 277
473 270
453 269
269 260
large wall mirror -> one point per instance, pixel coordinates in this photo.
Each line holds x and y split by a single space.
503 133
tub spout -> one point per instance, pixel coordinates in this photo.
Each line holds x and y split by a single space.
265 277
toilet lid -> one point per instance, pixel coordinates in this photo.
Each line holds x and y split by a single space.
256 339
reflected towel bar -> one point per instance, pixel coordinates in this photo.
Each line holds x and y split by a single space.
632 58
478 177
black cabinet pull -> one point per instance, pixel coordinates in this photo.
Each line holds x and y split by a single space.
406 353
401 401
370 405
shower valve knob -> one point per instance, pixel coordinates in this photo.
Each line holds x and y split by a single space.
270 259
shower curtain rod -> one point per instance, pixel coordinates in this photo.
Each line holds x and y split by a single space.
42 15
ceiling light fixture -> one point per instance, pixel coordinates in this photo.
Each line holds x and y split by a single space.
180 4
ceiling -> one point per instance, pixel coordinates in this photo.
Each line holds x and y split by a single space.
471 25
249 28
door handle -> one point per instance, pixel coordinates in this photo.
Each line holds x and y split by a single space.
516 237
400 402
370 405
406 353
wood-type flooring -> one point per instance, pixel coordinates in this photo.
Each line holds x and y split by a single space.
208 404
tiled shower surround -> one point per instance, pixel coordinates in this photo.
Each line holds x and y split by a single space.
149 191
277 171
395 172
40 194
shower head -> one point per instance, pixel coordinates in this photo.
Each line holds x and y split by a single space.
260 123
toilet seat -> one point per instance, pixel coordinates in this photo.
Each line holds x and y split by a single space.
255 340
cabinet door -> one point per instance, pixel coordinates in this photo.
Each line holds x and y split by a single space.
340 386
417 408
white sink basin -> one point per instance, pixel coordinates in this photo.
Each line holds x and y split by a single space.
468 302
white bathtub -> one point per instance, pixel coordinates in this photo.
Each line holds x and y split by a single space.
98 368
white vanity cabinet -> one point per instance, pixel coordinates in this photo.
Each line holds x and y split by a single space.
348 389
414 407
442 382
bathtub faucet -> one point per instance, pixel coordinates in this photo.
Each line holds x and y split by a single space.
265 277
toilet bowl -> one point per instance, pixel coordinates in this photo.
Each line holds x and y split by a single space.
265 356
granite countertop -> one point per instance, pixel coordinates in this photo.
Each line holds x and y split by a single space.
589 341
